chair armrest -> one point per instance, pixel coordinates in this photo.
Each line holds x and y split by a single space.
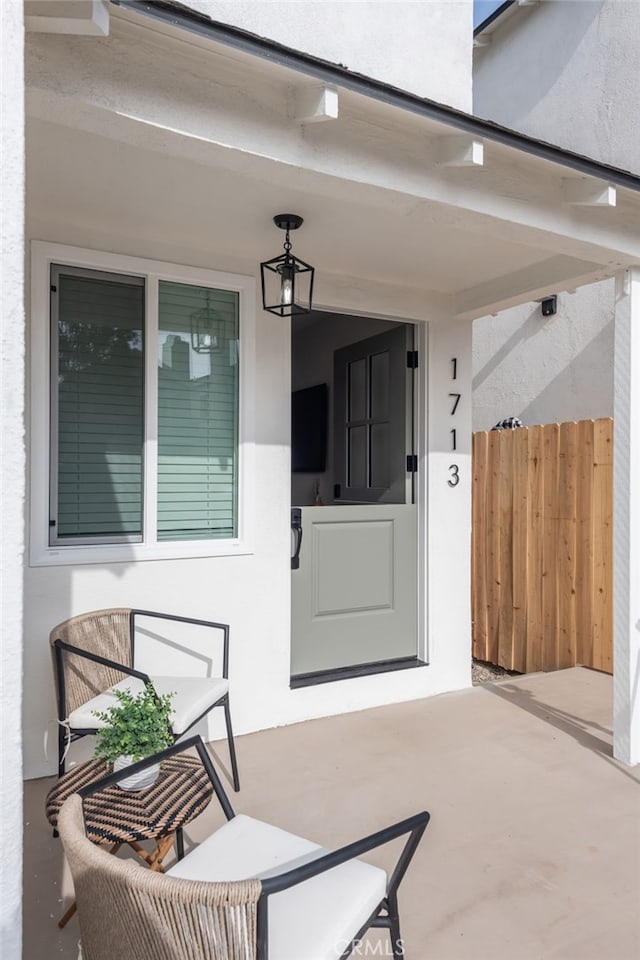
97 658
198 623
414 826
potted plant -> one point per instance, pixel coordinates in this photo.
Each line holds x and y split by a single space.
137 727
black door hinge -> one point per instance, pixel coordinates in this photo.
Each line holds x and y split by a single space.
412 359
412 463
336 491
53 288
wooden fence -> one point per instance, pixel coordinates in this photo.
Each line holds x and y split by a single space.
542 546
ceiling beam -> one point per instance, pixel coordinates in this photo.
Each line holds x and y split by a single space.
88 18
460 151
548 277
589 192
316 104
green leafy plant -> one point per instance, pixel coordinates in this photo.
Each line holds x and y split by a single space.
138 727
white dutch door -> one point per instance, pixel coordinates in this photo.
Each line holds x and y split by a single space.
354 588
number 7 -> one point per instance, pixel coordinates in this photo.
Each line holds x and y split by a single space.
455 402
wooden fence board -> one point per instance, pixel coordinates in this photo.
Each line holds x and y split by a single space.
505 575
542 546
493 545
519 553
551 437
479 522
602 546
584 545
566 558
535 511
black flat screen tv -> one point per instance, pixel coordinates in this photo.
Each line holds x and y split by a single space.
309 429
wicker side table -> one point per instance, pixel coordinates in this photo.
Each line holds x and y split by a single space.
114 816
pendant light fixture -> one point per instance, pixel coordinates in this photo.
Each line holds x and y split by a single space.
287 281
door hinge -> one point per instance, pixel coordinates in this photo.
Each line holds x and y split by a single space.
336 491
412 463
53 288
412 359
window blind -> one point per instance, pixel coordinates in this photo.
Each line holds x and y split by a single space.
197 412
97 406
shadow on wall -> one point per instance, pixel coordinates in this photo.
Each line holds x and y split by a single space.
546 370
539 53
530 328
571 395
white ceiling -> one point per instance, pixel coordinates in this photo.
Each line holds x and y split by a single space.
114 188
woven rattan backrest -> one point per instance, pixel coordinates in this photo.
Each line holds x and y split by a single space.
105 632
129 912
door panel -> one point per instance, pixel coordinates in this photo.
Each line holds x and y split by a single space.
354 596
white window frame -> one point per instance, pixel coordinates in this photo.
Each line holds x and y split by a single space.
41 553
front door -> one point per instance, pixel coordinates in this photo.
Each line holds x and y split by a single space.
354 586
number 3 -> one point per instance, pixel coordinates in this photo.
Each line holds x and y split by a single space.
454 479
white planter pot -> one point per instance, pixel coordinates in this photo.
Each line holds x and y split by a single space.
138 781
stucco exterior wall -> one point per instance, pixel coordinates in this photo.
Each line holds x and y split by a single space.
421 47
252 591
11 473
546 369
566 73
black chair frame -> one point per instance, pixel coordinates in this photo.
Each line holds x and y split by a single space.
386 913
66 735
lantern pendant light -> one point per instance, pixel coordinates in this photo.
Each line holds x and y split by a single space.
287 281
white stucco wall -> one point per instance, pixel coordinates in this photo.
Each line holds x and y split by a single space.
421 47
252 592
11 473
566 73
546 369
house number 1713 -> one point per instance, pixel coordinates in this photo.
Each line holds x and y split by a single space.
454 473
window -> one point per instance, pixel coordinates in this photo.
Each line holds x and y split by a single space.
144 408
197 413
97 406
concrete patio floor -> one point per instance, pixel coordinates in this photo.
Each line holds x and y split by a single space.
533 850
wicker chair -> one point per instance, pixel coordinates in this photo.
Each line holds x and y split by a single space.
250 891
93 654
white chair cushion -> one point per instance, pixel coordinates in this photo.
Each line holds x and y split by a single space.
315 920
193 697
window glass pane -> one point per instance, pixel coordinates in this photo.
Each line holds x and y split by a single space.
357 456
380 385
379 454
98 403
197 412
357 373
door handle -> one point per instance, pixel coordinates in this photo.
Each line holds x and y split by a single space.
296 526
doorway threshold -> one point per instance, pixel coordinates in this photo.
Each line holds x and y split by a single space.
348 673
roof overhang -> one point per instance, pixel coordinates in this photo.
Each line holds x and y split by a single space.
205 131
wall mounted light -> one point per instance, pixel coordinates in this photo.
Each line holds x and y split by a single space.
549 306
287 281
